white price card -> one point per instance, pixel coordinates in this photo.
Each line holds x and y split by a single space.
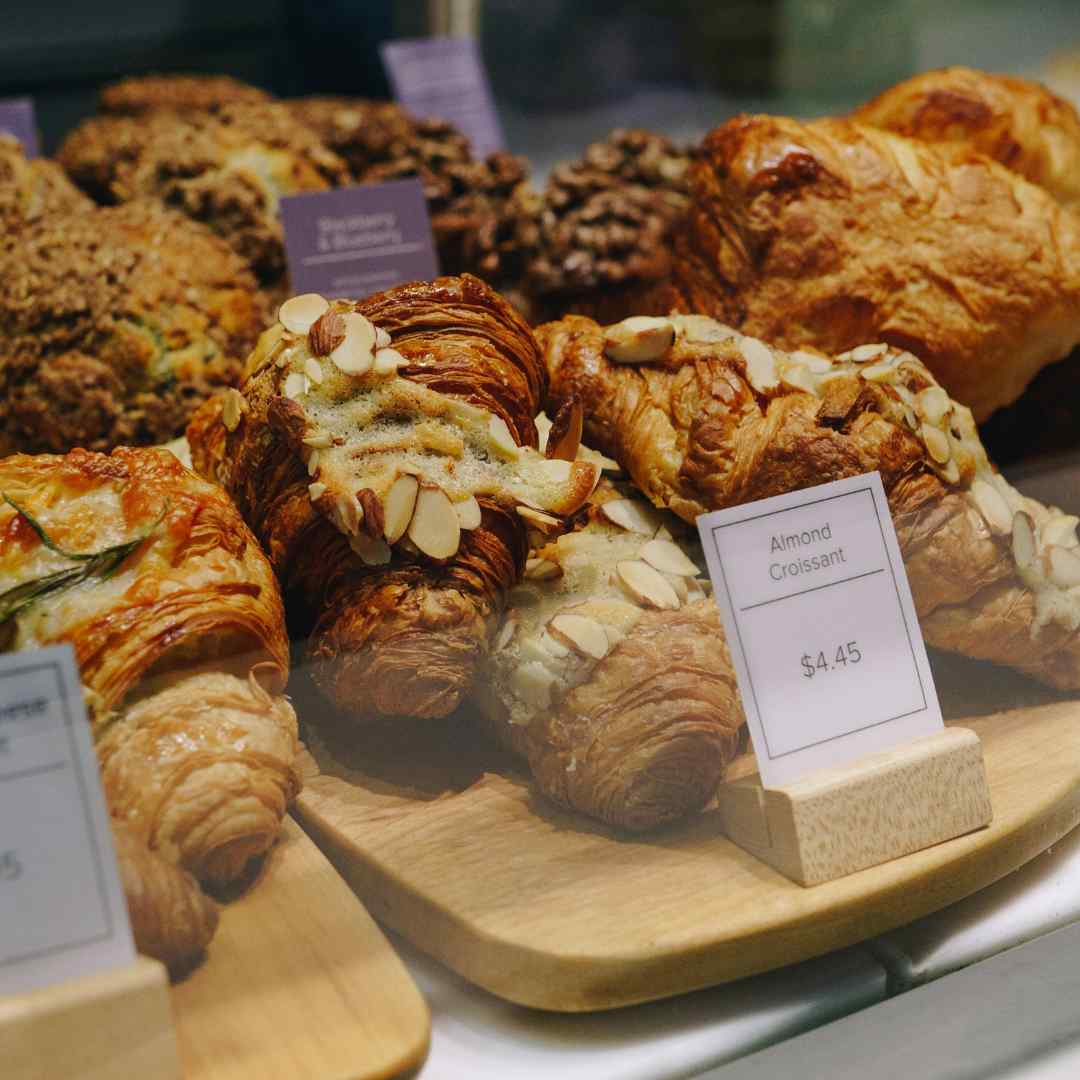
62 909
821 626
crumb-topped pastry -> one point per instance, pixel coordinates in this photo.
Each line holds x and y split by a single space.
228 169
179 93
33 190
114 325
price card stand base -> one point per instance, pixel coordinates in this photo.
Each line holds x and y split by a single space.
110 1026
834 822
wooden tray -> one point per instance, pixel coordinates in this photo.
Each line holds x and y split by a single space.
300 984
446 843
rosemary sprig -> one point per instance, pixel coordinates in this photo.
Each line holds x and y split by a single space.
100 564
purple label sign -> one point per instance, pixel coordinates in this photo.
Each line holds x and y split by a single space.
445 77
17 118
352 242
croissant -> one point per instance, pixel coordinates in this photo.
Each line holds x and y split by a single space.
178 631
833 233
171 919
611 673
702 417
1017 122
383 452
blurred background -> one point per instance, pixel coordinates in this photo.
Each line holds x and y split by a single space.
564 72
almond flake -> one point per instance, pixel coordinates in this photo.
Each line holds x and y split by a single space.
641 339
542 569
296 385
355 354
503 440
581 633
505 634
633 516
372 552
1023 540
313 463
933 404
879 373
992 506
1059 530
863 353
798 378
387 361
667 557
299 313
554 471
232 408
532 682
564 437
382 338
434 528
646 585
468 513
316 491
819 365
319 440
398 507
544 522
937 443
760 364
313 370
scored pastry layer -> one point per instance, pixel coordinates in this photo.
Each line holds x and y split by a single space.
703 417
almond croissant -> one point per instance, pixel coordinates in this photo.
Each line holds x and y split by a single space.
833 233
1017 122
178 630
702 418
611 673
383 453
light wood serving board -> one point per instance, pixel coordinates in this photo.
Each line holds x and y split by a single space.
446 843
299 984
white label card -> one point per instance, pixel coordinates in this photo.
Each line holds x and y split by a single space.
62 909
821 626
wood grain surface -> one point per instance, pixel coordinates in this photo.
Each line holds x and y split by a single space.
299 984
446 842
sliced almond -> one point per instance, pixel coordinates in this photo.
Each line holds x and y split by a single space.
701 328
937 443
387 361
992 507
678 583
468 513
554 471
347 510
1063 566
355 355
864 353
232 408
532 682
564 437
880 373
374 519
760 364
319 440
313 463
372 551
1023 540
505 634
313 370
542 569
641 339
503 440
299 313
633 516
798 378
646 585
581 633
463 412
667 557
434 528
398 507
819 365
950 472
382 338
933 404
1060 530
544 522
296 385
316 491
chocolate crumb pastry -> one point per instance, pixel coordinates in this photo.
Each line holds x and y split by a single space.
177 93
703 417
115 324
33 190
483 211
384 453
604 225
228 169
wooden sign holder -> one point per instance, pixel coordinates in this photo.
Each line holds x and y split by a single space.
834 822
110 1026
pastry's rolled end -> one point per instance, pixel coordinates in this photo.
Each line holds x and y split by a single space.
205 770
172 920
646 740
